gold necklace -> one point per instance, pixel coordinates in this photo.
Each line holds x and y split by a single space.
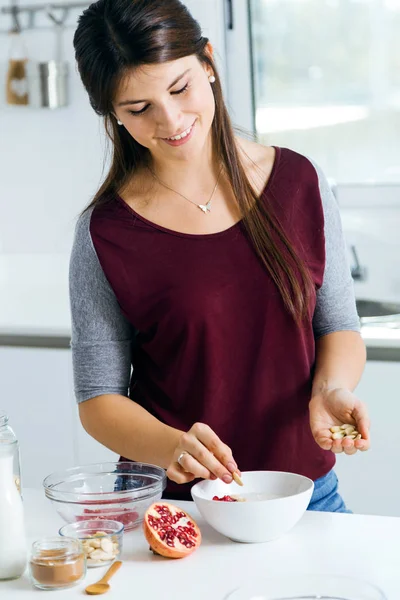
206 208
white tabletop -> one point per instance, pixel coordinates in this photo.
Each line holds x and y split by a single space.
361 546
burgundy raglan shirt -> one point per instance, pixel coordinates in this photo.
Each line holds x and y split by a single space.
193 328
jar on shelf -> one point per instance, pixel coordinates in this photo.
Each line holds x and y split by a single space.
13 549
57 563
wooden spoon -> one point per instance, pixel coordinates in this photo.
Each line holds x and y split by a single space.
101 587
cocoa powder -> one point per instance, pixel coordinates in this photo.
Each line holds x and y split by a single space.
52 567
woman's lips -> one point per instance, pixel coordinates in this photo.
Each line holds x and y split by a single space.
182 140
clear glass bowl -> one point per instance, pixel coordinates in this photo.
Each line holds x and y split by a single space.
102 541
308 587
109 491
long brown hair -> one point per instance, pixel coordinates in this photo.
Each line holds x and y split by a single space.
114 36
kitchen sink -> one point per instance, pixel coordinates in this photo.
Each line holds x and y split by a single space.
374 309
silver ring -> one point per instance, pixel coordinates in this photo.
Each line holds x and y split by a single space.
180 457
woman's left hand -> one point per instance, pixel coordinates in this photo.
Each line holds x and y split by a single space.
337 407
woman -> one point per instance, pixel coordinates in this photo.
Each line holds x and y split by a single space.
212 267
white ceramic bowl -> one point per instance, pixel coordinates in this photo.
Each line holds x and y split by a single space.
255 520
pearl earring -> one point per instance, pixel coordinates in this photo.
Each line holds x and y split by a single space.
211 79
119 122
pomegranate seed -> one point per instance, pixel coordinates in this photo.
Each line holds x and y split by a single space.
225 499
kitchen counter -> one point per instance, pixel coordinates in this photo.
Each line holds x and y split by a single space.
34 309
34 301
38 318
360 546
382 342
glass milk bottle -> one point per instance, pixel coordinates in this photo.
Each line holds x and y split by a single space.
13 548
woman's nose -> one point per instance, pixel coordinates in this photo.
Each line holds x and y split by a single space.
169 120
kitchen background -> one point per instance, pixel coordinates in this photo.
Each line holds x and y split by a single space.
319 76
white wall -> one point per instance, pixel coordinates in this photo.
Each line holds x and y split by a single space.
50 160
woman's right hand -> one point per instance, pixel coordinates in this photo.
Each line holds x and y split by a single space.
203 455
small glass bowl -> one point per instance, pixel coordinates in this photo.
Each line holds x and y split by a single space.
102 540
57 563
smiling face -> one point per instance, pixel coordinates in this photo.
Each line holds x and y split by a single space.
158 102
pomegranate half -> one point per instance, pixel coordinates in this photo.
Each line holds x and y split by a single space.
170 531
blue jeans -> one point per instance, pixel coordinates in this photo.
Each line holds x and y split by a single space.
325 496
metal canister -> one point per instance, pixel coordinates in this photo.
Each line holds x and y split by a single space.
48 84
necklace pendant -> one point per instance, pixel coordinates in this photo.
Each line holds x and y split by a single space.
206 208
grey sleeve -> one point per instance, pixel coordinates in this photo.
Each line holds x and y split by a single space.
336 307
101 336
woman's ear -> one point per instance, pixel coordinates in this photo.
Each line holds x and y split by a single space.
209 49
116 118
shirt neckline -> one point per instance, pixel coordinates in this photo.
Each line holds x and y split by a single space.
202 235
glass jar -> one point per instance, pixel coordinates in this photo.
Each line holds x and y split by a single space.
7 436
57 563
13 549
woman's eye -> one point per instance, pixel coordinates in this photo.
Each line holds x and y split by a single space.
181 90
140 112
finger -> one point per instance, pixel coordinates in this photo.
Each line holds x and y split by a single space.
360 414
363 426
205 458
324 439
350 451
179 475
362 445
347 443
199 460
337 446
215 445
210 451
348 447
190 464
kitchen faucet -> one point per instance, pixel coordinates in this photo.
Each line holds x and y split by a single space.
358 272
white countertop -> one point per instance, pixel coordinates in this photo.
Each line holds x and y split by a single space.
360 546
381 337
37 303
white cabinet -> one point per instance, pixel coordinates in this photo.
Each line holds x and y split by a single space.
369 482
37 393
